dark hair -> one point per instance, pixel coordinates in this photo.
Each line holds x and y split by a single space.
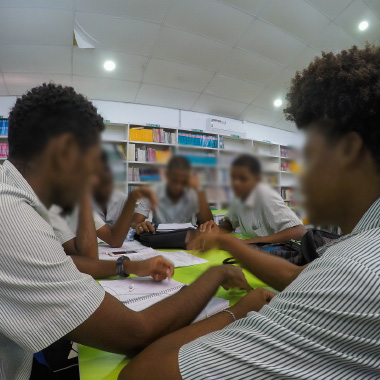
248 161
342 93
47 111
179 162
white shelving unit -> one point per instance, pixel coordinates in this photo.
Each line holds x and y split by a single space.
217 183
3 139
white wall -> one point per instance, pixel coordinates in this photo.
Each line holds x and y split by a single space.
119 112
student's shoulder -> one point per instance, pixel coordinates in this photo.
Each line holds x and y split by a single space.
267 192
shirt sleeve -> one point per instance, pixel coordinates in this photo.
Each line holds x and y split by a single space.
60 227
144 207
277 214
42 294
232 216
99 222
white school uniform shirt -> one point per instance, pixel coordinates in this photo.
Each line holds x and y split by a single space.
65 227
324 325
263 213
43 296
184 211
114 208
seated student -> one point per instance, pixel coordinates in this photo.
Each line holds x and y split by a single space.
109 202
258 210
178 201
54 143
325 323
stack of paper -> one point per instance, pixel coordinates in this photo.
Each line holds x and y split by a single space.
174 227
139 293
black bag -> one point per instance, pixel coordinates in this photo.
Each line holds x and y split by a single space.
161 240
303 252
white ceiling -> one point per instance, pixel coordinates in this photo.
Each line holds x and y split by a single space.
230 58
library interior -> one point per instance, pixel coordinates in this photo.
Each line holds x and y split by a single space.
189 189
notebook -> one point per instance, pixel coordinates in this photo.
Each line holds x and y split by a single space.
173 227
139 293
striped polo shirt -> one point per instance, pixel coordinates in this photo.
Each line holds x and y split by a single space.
263 213
324 325
42 294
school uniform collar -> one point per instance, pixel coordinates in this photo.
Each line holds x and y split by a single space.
251 199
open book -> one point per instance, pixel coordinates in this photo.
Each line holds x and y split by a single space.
139 293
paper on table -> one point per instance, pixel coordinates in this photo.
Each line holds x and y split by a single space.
174 226
178 258
127 246
139 293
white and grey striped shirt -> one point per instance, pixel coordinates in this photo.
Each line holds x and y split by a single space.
42 294
325 325
263 213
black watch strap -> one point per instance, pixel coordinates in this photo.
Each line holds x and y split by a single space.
120 266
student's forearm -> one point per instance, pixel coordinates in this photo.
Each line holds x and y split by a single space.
292 233
204 213
86 240
95 267
116 234
274 271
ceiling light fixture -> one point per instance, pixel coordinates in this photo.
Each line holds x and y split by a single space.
363 25
277 103
109 65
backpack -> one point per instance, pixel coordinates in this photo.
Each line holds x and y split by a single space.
161 240
300 252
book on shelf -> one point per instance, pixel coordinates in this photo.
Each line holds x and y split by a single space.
4 150
144 153
287 194
114 152
197 139
3 127
156 135
200 158
143 174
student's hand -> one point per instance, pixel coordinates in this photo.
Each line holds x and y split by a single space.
194 182
144 192
233 277
145 227
209 226
157 267
253 301
205 242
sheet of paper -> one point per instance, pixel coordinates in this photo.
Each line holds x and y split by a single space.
178 258
215 306
174 226
127 246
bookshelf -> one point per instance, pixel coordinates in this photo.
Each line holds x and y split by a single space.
211 162
3 140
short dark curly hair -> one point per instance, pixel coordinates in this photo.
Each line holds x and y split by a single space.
342 93
47 111
248 161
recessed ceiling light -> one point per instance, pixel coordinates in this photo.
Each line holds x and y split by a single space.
109 65
277 103
363 25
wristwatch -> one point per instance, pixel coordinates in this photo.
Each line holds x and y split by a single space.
120 266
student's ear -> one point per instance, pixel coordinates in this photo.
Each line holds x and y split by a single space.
64 152
351 148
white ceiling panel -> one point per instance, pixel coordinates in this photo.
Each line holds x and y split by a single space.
331 8
233 88
252 7
178 75
118 33
54 4
3 90
350 18
252 67
105 88
262 115
188 48
35 59
149 10
36 26
206 17
268 96
285 124
18 84
375 6
89 62
270 42
333 38
303 60
166 96
282 80
296 17
218 106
